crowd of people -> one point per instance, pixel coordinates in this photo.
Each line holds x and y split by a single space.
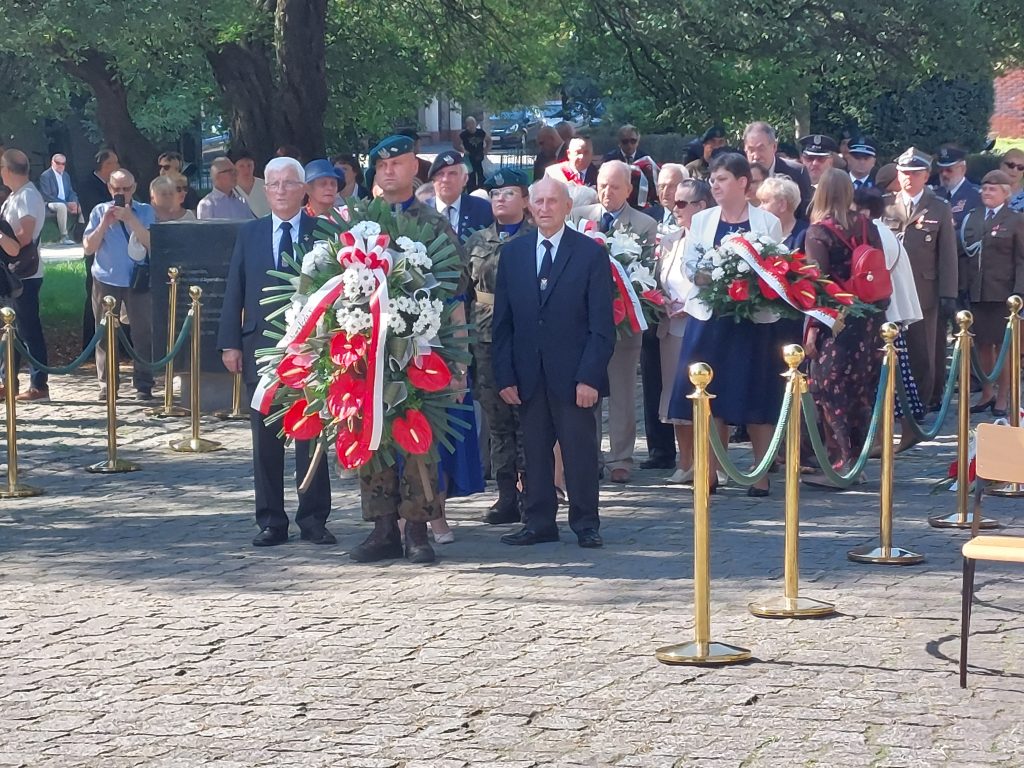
947 245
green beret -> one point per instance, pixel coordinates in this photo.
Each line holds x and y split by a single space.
506 177
392 146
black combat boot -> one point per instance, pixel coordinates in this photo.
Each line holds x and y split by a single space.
385 543
506 508
417 545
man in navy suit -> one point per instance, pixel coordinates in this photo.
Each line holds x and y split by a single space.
60 197
260 246
553 337
466 214
761 145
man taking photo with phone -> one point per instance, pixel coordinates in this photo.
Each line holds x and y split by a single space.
115 273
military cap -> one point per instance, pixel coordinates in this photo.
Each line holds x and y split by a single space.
506 177
322 169
949 156
712 133
862 145
885 176
997 177
818 145
446 159
914 160
392 146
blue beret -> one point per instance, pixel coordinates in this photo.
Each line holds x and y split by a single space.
392 146
506 177
446 159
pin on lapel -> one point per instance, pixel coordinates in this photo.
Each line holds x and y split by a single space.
543 283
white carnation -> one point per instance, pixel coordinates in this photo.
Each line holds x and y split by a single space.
717 273
316 259
716 259
366 229
353 320
742 267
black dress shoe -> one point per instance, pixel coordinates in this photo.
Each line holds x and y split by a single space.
758 493
528 536
270 537
589 538
982 407
658 463
318 536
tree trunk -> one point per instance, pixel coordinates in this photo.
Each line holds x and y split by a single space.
300 29
136 153
243 75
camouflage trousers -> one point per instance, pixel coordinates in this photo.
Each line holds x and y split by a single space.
507 459
403 493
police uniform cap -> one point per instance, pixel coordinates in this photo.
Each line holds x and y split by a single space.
506 177
949 156
861 145
446 159
818 145
914 160
997 177
392 146
712 133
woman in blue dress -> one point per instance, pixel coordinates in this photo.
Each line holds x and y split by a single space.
746 355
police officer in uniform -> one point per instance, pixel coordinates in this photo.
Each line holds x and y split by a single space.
390 494
509 197
817 153
922 220
953 186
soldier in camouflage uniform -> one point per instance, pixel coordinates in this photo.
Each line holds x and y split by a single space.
508 191
411 494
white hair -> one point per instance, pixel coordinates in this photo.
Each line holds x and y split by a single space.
677 167
616 166
560 185
780 187
283 163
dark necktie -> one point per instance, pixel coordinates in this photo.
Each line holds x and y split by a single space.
545 267
606 222
285 245
857 183
989 214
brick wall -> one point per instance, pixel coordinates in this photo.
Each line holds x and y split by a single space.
1008 115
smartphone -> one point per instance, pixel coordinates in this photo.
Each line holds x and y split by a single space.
119 200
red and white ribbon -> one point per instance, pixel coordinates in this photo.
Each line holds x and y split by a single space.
634 312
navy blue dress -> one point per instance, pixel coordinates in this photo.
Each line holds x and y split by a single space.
746 358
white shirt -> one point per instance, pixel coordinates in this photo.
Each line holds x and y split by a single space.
863 181
910 202
294 221
453 215
991 212
555 239
26 202
61 195
952 191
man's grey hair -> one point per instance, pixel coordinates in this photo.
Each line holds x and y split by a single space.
548 180
219 163
279 164
616 166
677 167
760 126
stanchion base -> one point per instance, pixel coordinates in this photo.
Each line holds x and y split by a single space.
791 608
1012 490
884 555
19 491
694 653
112 467
175 411
195 445
953 521
231 415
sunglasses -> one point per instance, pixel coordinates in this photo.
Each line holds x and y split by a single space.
165 167
1014 166
684 203
628 141
59 162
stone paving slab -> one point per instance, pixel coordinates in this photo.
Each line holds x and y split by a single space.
138 627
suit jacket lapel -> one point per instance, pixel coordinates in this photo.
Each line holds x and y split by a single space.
561 257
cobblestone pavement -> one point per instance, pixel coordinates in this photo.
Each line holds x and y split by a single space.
138 627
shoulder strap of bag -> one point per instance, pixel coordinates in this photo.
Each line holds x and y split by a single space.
831 227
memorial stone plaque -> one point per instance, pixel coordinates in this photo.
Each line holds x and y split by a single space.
201 250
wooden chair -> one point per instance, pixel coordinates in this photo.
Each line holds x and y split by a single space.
1000 457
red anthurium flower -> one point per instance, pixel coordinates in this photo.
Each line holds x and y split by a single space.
807 269
777 265
300 425
293 370
654 296
766 290
347 350
429 373
352 450
345 396
803 293
837 293
412 432
618 310
739 290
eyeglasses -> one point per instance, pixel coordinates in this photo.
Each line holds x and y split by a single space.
1014 166
504 194
274 186
628 141
59 162
684 203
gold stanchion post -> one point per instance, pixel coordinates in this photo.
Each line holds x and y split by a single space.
1014 304
113 464
14 489
964 516
195 443
169 409
237 413
884 552
791 605
702 651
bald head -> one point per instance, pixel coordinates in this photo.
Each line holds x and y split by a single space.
223 175
15 162
548 141
550 204
614 183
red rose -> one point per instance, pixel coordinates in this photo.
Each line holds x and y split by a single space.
352 451
345 396
618 310
300 425
739 290
347 350
412 432
803 293
837 293
430 374
294 369
766 290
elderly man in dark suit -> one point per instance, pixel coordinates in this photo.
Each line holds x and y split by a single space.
59 195
761 146
552 339
261 246
923 222
465 214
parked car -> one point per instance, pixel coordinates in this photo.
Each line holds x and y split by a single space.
515 128
554 113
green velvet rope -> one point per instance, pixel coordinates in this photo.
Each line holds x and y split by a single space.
1000 362
947 397
758 472
61 370
156 365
